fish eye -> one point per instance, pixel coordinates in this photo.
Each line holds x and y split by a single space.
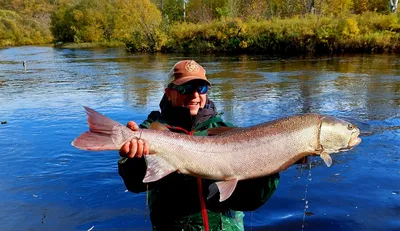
350 126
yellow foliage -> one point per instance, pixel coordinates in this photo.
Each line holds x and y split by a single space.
16 29
348 27
77 14
336 7
243 44
139 21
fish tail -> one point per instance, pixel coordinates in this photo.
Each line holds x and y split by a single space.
94 142
104 134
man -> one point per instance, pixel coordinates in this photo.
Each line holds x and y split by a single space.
177 201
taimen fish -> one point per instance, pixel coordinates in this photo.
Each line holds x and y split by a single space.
238 154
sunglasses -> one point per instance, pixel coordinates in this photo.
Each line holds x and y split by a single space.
189 89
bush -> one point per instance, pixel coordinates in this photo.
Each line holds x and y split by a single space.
369 32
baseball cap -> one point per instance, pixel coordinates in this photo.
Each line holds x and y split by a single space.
185 71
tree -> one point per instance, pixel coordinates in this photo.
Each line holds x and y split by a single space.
137 22
24 22
83 21
204 10
393 5
173 10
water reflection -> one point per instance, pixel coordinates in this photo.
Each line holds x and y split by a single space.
368 85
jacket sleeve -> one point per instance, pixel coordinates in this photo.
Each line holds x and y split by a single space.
251 194
133 170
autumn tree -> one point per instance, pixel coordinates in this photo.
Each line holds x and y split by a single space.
24 22
336 7
137 22
205 10
84 21
254 9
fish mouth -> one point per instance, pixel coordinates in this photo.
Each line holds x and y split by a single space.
354 141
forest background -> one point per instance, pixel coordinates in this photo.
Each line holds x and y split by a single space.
240 26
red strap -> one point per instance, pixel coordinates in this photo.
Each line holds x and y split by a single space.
203 205
176 128
199 184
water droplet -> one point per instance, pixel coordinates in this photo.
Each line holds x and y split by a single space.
305 197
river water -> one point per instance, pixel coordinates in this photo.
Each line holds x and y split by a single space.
46 184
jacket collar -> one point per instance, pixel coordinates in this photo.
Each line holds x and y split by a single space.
180 116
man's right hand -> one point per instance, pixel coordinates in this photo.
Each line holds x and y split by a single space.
136 147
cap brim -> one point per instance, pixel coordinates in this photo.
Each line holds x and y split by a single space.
190 78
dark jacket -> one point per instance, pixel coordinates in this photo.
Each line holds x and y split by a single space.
174 201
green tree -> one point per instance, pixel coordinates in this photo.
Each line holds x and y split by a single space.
173 10
84 21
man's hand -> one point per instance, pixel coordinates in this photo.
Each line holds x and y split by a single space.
136 147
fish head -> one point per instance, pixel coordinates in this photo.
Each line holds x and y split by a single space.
337 135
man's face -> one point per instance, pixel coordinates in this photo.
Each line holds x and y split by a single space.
194 100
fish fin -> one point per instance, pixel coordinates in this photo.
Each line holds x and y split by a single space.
225 189
219 130
158 126
105 133
327 158
157 168
100 123
94 142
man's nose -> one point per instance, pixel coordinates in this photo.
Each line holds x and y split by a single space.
195 94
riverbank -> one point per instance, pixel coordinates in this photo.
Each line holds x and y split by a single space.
115 44
366 33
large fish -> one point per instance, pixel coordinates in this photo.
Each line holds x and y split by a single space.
242 153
